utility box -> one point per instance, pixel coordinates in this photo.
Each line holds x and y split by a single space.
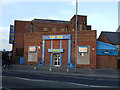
21 60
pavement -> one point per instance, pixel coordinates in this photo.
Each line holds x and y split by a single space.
103 73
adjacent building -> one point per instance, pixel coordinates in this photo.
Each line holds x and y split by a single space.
113 60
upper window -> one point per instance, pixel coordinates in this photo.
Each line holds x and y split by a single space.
66 29
80 27
62 29
73 29
53 29
45 29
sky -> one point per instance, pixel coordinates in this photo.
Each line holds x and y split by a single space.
119 13
102 15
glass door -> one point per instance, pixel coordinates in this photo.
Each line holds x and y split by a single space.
56 59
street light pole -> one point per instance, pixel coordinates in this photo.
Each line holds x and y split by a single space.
76 28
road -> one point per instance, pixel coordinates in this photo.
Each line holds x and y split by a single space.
18 79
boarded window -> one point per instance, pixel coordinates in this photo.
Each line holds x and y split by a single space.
66 29
53 29
83 56
62 29
32 57
20 52
73 29
80 27
45 29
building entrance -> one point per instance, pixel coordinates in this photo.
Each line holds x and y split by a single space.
56 50
56 59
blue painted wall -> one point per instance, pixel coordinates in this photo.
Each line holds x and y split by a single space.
107 52
102 45
106 49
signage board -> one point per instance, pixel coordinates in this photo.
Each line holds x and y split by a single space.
107 52
11 35
83 49
49 37
32 49
55 50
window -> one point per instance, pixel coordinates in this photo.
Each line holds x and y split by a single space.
45 29
53 29
66 29
89 27
84 23
62 29
80 27
19 52
73 29
118 47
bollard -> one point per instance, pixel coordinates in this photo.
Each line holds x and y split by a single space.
50 69
34 68
67 70
19 67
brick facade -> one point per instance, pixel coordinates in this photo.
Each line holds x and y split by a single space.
35 40
105 61
29 33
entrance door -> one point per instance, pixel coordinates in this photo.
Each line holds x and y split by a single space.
56 60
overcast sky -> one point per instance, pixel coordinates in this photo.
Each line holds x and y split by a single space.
102 15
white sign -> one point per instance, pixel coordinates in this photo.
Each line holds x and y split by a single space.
83 49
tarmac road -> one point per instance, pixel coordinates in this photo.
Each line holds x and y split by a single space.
19 79
17 82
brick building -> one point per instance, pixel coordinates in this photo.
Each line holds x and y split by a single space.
52 42
110 61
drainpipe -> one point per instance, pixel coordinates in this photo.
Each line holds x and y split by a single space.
31 28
